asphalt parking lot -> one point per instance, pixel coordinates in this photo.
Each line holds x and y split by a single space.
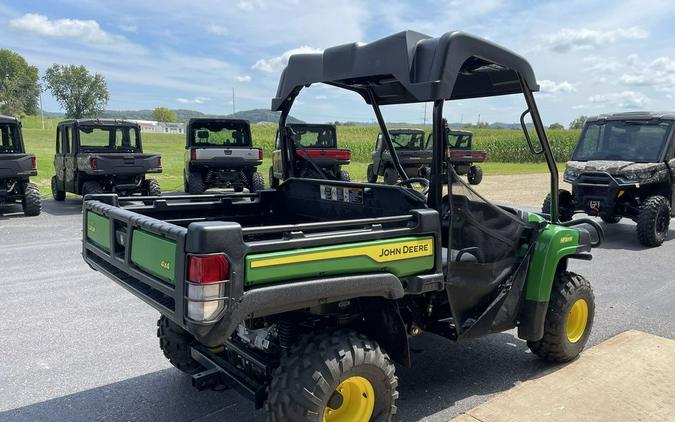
75 346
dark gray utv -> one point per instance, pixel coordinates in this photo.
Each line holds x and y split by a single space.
102 155
220 153
413 153
16 167
623 166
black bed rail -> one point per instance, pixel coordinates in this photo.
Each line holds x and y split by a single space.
322 225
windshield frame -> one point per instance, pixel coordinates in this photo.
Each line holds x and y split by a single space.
660 157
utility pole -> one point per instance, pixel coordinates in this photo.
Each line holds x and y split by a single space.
478 123
233 100
42 112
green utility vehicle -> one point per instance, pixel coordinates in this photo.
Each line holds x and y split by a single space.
624 166
102 156
220 153
16 167
304 296
316 154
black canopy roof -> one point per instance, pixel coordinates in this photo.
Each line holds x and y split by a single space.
411 67
99 122
8 119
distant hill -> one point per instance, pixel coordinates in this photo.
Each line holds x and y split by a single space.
254 116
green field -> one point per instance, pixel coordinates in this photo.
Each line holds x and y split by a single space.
507 150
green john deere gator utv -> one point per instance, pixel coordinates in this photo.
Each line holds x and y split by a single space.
304 296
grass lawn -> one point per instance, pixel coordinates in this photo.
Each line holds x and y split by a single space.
41 143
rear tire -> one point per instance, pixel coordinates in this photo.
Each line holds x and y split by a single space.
370 174
57 194
274 182
152 187
344 176
175 343
653 221
91 188
308 378
564 205
390 176
475 175
569 319
257 182
195 183
31 202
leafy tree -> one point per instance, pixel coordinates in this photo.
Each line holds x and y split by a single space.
578 123
19 85
80 93
556 126
163 114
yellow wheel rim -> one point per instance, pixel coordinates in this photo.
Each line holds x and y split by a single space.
358 402
577 320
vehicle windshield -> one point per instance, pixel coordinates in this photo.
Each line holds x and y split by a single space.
219 134
408 140
10 142
109 138
315 136
637 141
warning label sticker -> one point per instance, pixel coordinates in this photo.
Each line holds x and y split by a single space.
342 194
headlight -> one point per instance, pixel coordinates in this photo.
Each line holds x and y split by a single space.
571 174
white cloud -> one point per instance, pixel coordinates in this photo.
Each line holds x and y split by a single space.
551 87
249 5
86 31
243 78
277 64
660 73
196 100
217 29
568 39
321 97
625 99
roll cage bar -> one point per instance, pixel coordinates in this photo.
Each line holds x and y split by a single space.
410 67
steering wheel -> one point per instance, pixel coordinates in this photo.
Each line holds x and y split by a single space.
421 180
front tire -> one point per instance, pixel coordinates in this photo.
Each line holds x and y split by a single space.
175 343
610 219
475 175
565 205
31 202
569 319
58 195
653 221
306 385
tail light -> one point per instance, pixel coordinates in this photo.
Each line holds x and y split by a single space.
193 154
208 278
260 154
159 162
33 163
93 163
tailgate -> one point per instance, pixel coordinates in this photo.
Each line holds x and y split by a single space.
144 255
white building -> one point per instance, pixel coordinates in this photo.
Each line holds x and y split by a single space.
160 127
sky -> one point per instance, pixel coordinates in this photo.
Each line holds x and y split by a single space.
589 57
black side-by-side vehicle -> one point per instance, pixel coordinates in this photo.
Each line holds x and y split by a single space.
16 167
102 156
624 166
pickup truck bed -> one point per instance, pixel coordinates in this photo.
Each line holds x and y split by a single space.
145 248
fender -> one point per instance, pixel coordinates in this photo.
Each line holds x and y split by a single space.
554 246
